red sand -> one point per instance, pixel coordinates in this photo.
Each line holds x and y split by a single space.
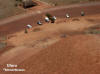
76 54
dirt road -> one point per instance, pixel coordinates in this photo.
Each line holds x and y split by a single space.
18 23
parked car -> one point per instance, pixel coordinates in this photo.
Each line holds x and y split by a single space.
67 16
82 13
39 23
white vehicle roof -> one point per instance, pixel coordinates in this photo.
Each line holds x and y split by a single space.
29 26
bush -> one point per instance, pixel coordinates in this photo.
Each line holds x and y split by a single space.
49 15
16 4
56 4
3 41
92 31
26 30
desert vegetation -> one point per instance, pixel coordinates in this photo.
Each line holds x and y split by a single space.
8 7
3 40
93 30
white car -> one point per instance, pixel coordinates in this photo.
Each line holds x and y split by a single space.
67 16
54 17
29 26
39 23
47 19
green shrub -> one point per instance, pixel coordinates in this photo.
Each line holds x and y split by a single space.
26 30
92 31
49 15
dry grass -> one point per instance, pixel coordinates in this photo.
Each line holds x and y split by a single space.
8 8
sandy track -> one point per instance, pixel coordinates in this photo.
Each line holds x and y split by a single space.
71 55
64 58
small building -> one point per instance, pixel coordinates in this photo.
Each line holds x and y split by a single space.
28 3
